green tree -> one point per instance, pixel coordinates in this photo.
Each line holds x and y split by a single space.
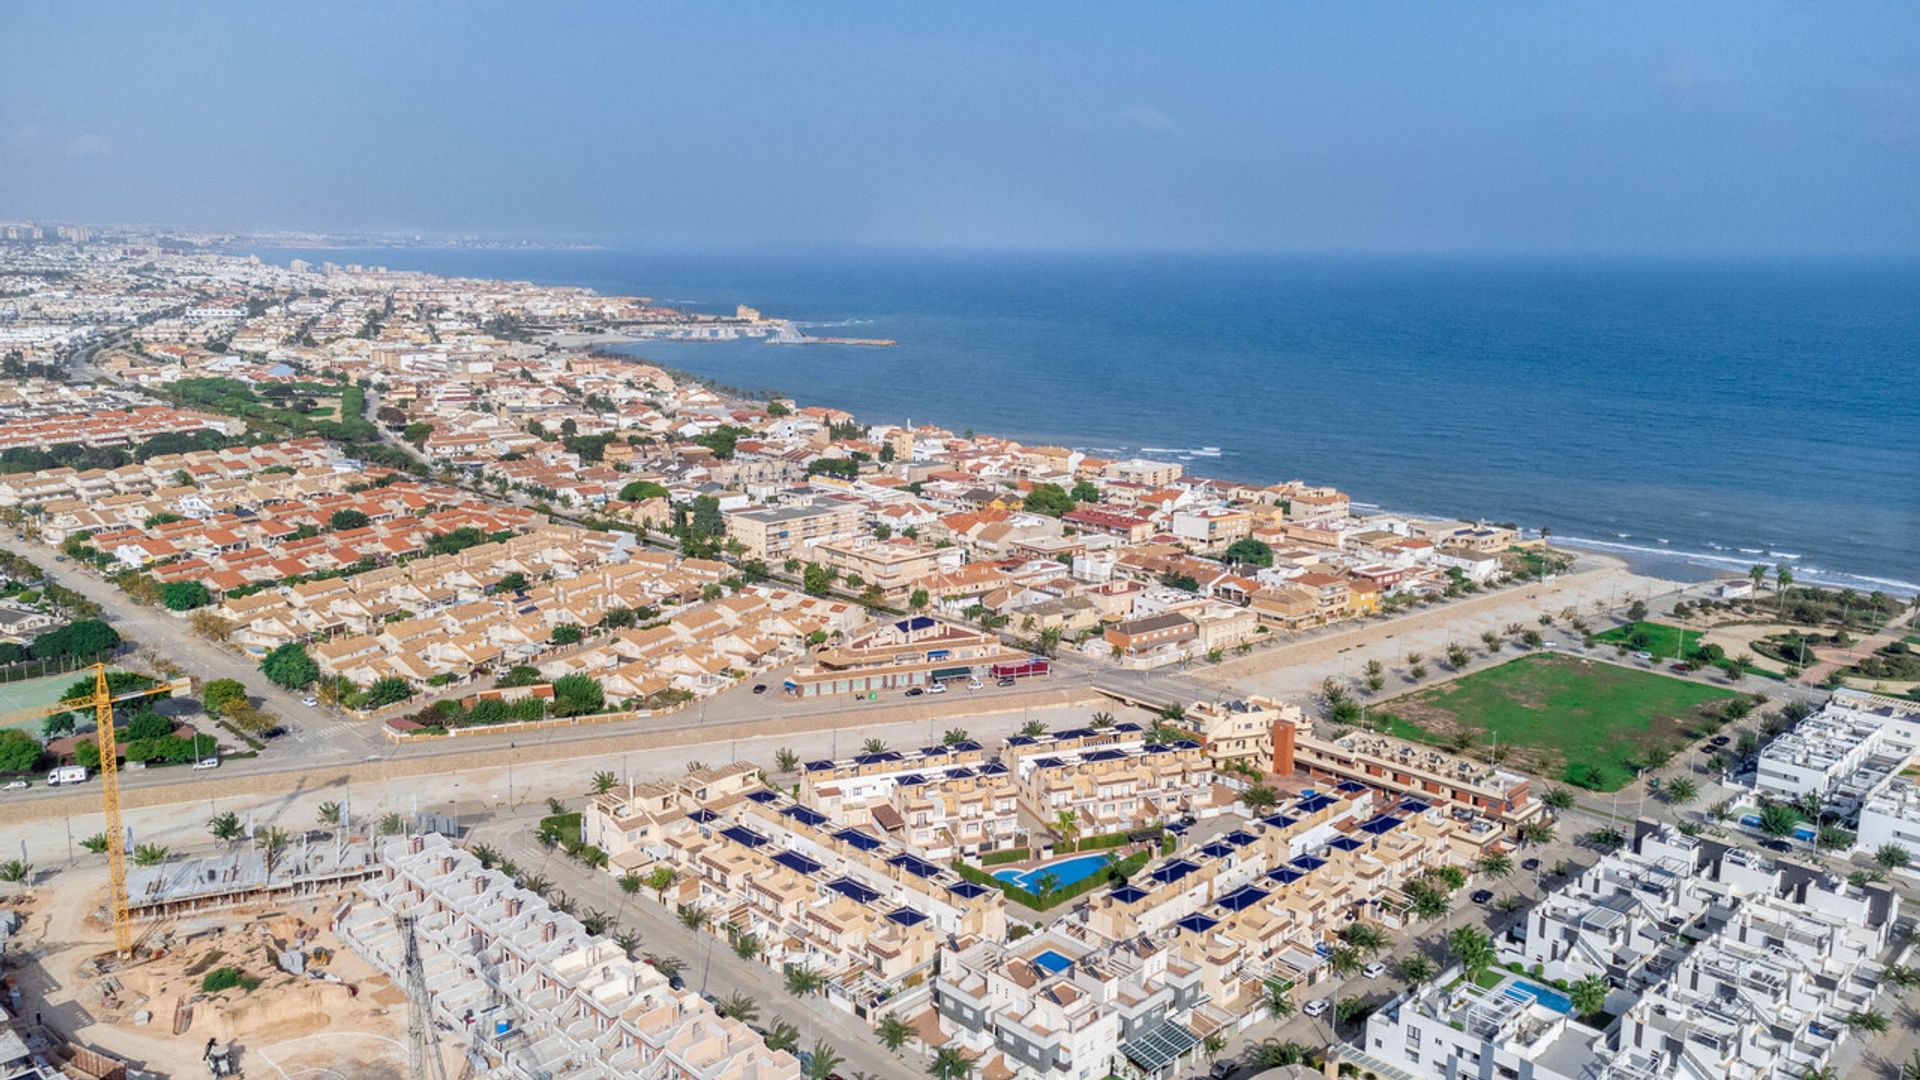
1778 820
1891 856
1350 1010
1496 864
388 690
17 872
1589 996
1279 1000
894 1032
417 432
1250 552
950 1063
342 520
221 695
1680 791
184 595
641 490
660 879
803 981
577 695
782 1035
225 827
567 634
825 1059
603 782
19 751
1472 950
1416 969
785 760
150 855
290 667
1870 1020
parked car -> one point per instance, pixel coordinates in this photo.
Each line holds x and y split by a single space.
1482 896
937 688
207 763
1373 970
1004 680
759 688
1776 845
309 701
1316 1007
1550 644
1530 865
1643 656
1222 1069
1683 667
974 684
915 692
16 785
1719 740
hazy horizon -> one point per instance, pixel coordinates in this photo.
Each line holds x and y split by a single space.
1506 129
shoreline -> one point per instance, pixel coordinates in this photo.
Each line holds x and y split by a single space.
1679 565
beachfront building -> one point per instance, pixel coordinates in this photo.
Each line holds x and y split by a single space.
542 996
899 655
1843 752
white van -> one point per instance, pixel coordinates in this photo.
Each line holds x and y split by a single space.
68 774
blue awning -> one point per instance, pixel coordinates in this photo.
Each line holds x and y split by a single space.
858 839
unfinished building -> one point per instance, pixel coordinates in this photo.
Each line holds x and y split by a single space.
531 992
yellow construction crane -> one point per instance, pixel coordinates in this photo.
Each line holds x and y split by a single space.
102 701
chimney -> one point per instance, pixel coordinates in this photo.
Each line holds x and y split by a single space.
513 906
446 864
479 885
417 844
548 929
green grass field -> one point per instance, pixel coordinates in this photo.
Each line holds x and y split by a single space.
1559 715
1662 641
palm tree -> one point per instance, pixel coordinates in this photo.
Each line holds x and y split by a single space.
630 883
627 940
1819 1072
1870 1020
746 946
17 872
1273 1054
604 782
1350 1009
1430 903
1366 938
782 1035
1067 824
874 746
950 1063
1033 729
225 827
1344 961
95 844
669 966
1758 573
955 736
1279 1005
1891 856
1417 969
1102 719
1496 864
1901 976
1782 577
329 813
803 981
739 1007
1777 820
1589 995
894 1032
692 916
825 1061
150 855
1471 947
785 759
1681 790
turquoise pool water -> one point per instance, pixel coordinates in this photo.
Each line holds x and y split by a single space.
1545 995
1065 872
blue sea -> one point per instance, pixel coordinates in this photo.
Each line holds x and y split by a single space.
1691 415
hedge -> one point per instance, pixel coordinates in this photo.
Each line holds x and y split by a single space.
1127 867
995 858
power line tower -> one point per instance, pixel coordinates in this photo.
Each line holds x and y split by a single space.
423 1049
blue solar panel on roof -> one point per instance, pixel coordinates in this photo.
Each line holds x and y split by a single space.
1186 744
964 747
1414 806
1103 755
1278 821
1047 763
797 862
1242 898
819 766
1308 863
1285 876
915 865
1074 733
1217 850
967 890
1126 725
1238 838
853 890
959 773
1199 924
858 839
933 751
906 916
1382 825
1314 803
911 779
762 796
918 622
743 836
805 815
704 816
1345 843
1173 871
1157 748
993 769
1020 740
1350 786
1128 894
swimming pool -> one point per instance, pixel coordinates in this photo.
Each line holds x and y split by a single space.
1065 872
1545 995
1052 962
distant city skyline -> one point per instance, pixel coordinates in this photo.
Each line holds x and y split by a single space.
1709 129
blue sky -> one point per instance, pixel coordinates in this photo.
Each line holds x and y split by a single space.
1507 127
